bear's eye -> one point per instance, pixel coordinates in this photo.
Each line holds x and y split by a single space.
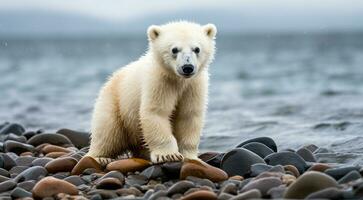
175 50
197 50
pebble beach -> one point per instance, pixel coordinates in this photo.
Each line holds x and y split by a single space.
36 164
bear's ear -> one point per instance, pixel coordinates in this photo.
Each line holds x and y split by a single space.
153 32
210 30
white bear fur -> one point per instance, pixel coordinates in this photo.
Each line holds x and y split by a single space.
149 109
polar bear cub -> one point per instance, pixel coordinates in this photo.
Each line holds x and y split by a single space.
154 107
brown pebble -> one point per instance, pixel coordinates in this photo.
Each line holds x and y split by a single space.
288 179
54 148
292 169
200 195
320 167
49 186
65 164
55 154
308 183
109 183
84 163
201 169
27 153
128 165
237 178
41 146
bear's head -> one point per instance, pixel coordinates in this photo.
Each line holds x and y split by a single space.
183 48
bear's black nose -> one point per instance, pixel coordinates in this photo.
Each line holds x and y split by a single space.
188 69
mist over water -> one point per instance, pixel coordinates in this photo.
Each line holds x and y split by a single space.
297 89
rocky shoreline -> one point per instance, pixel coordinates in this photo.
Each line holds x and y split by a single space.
37 164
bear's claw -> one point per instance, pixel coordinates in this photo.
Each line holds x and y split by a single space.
162 158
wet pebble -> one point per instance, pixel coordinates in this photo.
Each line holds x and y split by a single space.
75 180
128 165
51 138
78 138
320 167
306 154
105 194
258 148
84 163
292 169
351 176
224 196
7 185
251 194
129 191
4 172
308 183
25 161
159 195
41 161
340 172
153 172
17 147
269 142
109 183
201 181
202 170
29 134
54 148
61 175
262 184
32 173
20 193
172 169
65 164
14 128
17 170
50 186
258 168
200 195
311 147
55 154
6 161
136 179
239 161
277 192
27 185
328 193
115 174
180 187
287 158
14 137
229 188
3 178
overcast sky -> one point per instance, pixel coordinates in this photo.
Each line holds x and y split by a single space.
310 13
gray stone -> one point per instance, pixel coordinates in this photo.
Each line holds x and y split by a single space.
7 185
25 161
259 149
306 154
239 161
287 158
41 161
351 176
17 147
136 180
51 138
20 193
32 173
180 187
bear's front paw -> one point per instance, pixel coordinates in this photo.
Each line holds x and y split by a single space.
162 157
